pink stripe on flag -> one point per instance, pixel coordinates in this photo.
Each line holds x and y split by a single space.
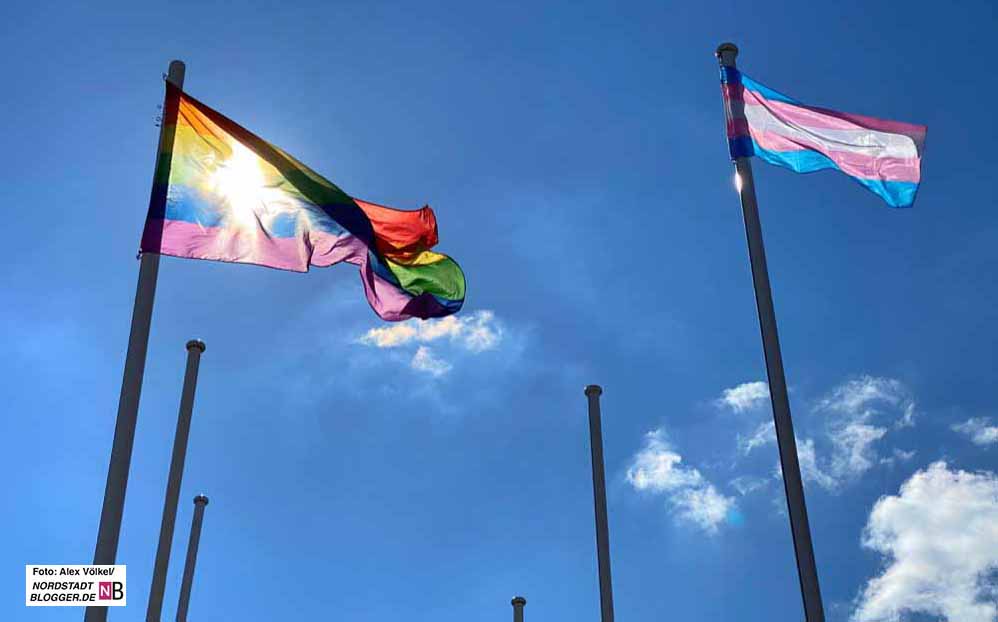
851 163
814 117
193 241
186 239
809 116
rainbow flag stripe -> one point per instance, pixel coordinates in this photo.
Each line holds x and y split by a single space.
224 194
883 156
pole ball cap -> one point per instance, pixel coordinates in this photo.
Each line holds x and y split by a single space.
725 48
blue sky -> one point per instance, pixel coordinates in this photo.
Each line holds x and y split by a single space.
575 157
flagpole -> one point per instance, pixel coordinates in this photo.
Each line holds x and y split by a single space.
593 392
518 602
106 551
155 607
807 571
184 601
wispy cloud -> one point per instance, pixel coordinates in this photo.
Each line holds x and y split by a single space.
473 333
746 396
657 468
807 458
864 394
424 360
764 434
939 540
979 429
853 452
860 413
476 332
703 506
856 416
747 484
898 456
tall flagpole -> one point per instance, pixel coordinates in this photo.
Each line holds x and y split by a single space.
593 392
106 550
807 571
158 587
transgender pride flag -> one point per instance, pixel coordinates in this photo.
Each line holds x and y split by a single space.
884 156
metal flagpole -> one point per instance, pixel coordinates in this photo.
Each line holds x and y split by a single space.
792 483
599 498
200 502
194 350
518 602
106 550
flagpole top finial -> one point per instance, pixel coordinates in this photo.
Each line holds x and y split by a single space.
726 53
594 389
201 499
176 73
195 344
518 600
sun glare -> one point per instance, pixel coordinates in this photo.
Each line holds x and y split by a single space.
241 182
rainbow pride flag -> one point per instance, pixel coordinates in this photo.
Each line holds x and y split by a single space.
884 156
224 194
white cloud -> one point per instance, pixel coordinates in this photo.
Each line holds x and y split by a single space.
476 332
747 484
746 396
424 360
854 453
864 393
807 458
764 434
392 335
898 455
658 468
703 506
907 420
980 431
862 412
858 415
939 539
481 332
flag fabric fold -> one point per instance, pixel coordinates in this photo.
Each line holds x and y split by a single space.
224 194
884 156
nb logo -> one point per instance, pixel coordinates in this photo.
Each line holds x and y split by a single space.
110 590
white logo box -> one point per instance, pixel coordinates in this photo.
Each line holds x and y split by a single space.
74 585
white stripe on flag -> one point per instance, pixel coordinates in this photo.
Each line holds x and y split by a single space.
861 141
